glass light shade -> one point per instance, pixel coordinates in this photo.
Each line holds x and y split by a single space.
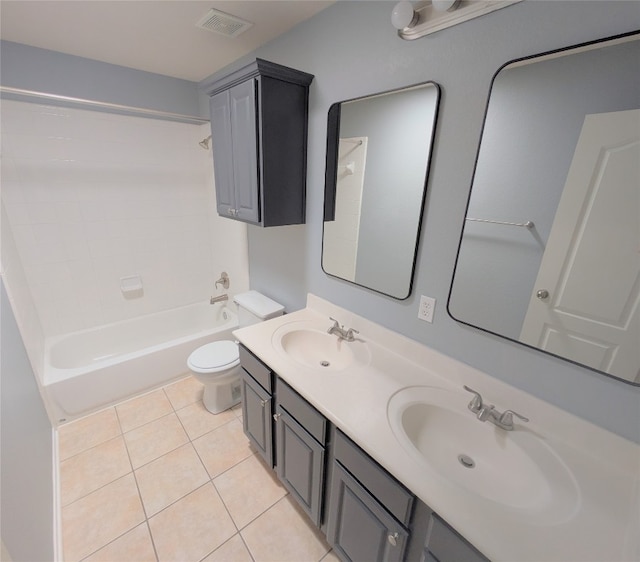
403 15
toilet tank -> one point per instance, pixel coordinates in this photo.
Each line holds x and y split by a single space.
254 307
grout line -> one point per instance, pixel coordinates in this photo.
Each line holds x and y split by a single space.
153 542
253 453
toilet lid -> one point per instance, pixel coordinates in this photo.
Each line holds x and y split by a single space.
218 355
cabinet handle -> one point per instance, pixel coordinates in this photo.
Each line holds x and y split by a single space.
393 539
263 403
276 417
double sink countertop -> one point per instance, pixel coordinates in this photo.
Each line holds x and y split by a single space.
559 487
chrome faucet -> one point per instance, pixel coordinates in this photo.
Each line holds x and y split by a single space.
346 335
220 298
485 412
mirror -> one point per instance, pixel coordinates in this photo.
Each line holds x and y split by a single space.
378 152
550 249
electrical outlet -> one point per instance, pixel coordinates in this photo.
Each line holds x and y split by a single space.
425 312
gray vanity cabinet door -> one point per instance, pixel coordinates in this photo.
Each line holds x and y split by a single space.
256 417
300 464
359 528
242 99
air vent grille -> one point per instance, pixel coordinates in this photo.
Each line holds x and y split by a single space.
224 24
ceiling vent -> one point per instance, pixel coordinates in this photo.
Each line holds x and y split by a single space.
224 24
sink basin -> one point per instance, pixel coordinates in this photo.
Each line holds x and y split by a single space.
313 347
517 470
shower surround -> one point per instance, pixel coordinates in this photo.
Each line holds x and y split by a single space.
91 197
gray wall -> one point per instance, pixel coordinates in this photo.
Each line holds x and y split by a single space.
26 453
533 124
352 50
31 68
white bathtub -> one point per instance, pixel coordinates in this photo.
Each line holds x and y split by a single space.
87 370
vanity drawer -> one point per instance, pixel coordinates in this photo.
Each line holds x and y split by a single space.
389 492
303 412
256 368
446 545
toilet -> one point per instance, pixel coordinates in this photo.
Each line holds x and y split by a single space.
217 364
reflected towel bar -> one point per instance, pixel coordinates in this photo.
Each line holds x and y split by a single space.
528 224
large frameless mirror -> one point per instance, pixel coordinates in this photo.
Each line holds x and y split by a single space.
550 251
378 153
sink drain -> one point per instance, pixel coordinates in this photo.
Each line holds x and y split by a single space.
466 461
324 363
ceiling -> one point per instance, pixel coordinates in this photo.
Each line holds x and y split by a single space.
153 35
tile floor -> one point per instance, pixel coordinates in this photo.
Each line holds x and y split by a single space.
159 478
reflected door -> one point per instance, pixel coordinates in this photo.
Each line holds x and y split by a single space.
585 304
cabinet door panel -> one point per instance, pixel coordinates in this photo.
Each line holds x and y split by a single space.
242 99
359 528
300 464
256 417
222 156
446 545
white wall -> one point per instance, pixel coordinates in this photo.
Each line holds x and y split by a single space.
92 197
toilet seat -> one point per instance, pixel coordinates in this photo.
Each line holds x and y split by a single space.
214 357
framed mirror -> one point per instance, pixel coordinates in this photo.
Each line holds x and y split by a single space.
550 249
378 155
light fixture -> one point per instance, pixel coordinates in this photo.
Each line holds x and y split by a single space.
417 19
403 15
445 5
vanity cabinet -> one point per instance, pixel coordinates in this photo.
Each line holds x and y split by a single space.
300 449
259 119
366 513
257 403
445 544
287 431
369 511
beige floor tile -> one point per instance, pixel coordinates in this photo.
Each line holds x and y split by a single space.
100 517
234 550
330 557
87 471
197 420
150 441
184 392
248 489
169 478
87 432
143 409
192 527
134 546
223 448
284 534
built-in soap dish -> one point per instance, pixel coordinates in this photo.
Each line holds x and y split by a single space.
131 287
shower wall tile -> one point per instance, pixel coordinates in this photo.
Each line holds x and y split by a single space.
92 197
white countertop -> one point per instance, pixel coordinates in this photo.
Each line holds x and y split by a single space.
605 524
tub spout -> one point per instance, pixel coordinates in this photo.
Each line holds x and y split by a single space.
220 298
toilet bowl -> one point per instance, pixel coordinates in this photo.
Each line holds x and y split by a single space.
217 364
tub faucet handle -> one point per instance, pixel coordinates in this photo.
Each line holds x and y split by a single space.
224 280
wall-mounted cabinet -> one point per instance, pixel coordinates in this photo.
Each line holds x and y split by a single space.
259 142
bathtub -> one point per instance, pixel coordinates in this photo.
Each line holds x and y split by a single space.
88 370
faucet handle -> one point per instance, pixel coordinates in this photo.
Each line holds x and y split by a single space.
476 402
507 417
336 324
